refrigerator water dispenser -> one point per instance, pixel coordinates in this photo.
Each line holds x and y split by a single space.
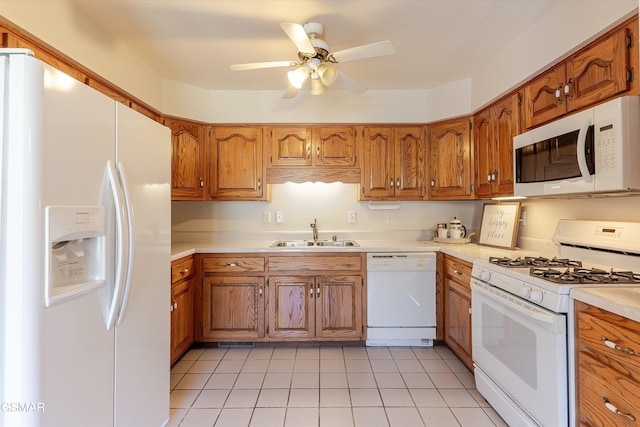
75 263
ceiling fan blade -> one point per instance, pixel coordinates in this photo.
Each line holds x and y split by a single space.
291 92
259 65
299 37
364 51
350 83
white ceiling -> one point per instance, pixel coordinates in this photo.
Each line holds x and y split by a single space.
195 41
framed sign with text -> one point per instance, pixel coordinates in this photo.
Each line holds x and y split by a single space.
499 226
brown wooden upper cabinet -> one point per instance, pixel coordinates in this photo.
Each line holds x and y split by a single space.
236 166
312 146
393 163
596 73
188 171
449 173
494 129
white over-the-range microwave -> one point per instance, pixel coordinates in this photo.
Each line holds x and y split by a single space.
595 151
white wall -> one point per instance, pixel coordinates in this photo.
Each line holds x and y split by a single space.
328 203
59 24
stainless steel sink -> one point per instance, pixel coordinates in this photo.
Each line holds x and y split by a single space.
311 243
291 243
350 243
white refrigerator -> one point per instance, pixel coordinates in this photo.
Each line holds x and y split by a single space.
84 254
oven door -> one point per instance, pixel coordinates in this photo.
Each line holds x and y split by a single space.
520 354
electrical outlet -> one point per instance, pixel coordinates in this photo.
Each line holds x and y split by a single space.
352 217
279 217
266 217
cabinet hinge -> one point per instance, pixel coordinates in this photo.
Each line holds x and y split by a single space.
470 125
630 40
519 100
630 75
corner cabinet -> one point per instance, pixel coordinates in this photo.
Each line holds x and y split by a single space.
607 368
457 308
236 166
393 163
494 129
450 156
182 308
188 167
600 71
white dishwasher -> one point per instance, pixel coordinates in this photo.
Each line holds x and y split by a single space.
401 299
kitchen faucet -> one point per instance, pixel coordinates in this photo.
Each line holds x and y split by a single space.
314 227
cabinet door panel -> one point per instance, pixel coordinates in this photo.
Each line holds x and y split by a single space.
188 142
291 146
483 152
506 119
338 309
334 146
450 151
236 163
233 307
409 162
181 318
540 97
600 72
291 307
378 162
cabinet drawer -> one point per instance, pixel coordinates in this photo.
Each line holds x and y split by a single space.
457 269
598 385
232 264
316 263
181 269
596 324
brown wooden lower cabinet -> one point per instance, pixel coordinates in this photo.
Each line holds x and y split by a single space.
607 368
182 300
457 308
296 297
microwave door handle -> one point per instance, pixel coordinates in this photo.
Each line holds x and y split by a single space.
581 144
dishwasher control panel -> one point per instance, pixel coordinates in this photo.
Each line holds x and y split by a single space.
406 261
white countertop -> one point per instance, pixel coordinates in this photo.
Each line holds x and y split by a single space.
467 252
624 301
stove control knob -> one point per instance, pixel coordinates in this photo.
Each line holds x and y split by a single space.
525 291
536 295
485 275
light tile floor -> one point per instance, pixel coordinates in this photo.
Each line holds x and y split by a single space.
326 387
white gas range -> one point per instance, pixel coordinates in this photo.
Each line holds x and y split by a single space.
521 331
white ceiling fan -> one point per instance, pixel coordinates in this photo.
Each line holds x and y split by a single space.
316 62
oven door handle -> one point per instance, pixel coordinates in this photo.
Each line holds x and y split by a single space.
514 303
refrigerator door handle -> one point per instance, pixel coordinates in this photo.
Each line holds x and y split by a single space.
131 243
121 238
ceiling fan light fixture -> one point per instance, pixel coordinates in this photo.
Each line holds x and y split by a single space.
317 88
327 74
298 76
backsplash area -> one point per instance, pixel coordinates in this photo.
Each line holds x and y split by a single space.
330 204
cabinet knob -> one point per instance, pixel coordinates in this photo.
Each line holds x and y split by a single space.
318 292
391 183
433 182
260 291
308 151
397 182
259 183
232 264
183 272
201 183
318 152
311 291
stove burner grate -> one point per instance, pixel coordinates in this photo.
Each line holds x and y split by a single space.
528 261
578 275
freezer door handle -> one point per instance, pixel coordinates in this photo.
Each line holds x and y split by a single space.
129 256
121 238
